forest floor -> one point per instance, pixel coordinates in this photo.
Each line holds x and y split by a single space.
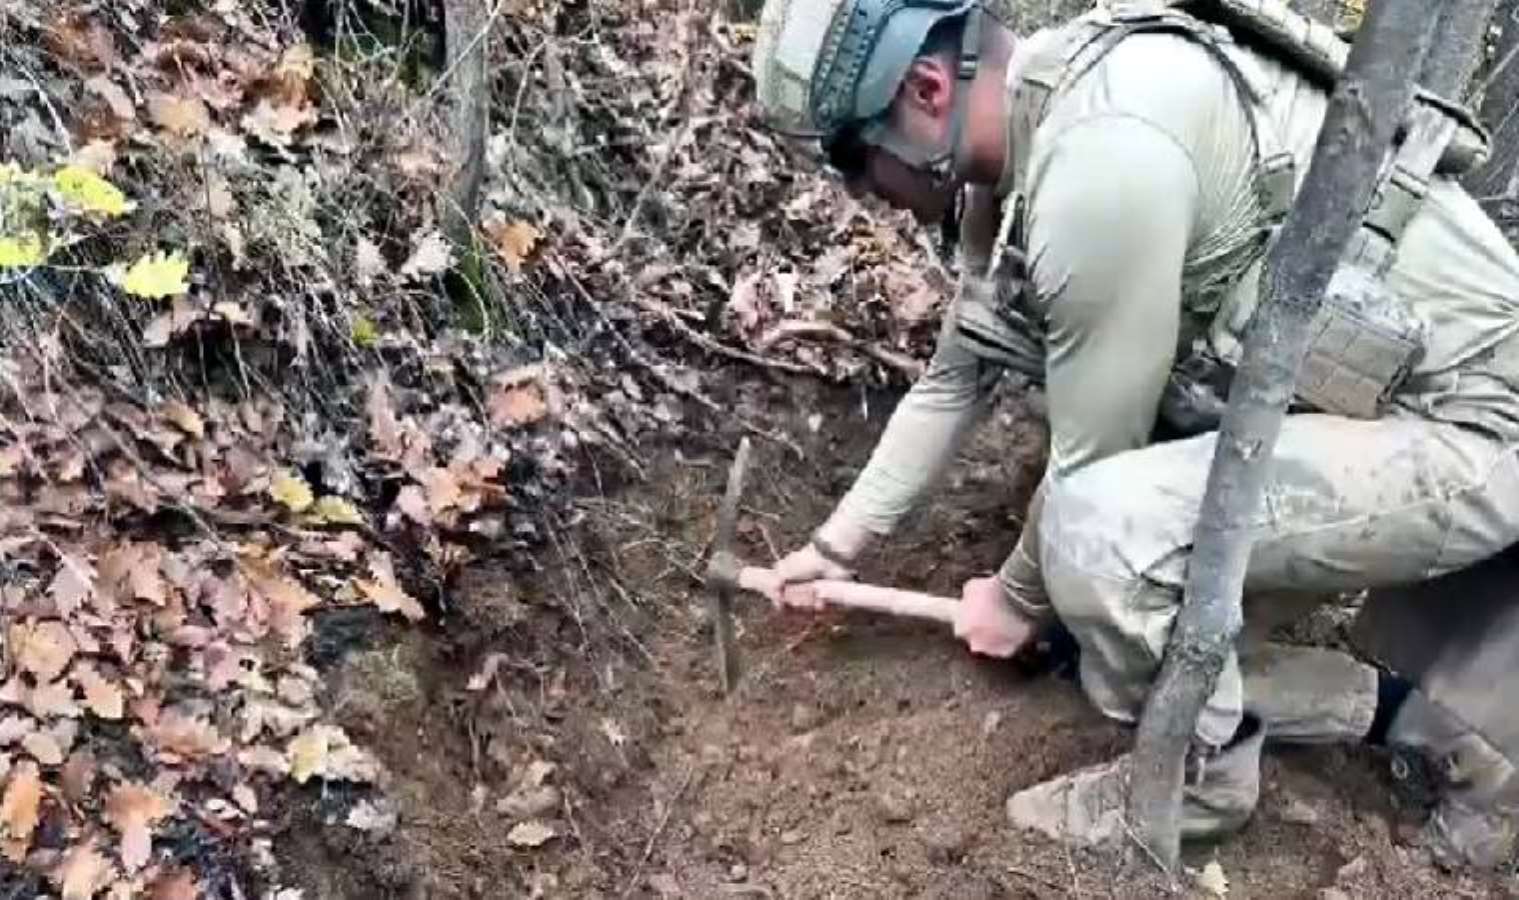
859 757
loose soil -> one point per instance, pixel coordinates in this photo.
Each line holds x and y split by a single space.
860 757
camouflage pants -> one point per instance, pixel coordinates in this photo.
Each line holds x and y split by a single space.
1349 504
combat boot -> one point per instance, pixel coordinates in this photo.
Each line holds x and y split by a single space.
1086 807
1474 822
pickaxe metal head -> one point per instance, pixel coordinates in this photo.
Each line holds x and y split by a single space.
722 572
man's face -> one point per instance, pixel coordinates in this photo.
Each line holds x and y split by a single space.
916 129
900 185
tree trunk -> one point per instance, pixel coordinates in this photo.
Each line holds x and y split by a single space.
1496 184
1368 103
466 24
1456 48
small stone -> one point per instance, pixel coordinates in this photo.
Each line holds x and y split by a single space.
945 843
804 717
1351 870
1330 893
1297 812
990 723
738 872
530 803
894 806
792 838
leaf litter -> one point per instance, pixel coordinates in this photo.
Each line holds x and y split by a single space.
180 533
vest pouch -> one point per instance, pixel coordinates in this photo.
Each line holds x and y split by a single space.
1364 344
995 330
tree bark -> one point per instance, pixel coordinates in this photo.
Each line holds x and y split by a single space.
1364 110
1496 184
466 26
1456 48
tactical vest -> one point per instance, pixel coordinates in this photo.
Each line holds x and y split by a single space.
1365 340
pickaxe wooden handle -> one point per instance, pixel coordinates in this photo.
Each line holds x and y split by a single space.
728 572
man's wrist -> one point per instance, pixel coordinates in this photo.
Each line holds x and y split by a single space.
1023 587
840 540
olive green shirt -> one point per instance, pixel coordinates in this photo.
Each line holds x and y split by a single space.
1141 207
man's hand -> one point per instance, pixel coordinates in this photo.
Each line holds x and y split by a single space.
988 623
796 570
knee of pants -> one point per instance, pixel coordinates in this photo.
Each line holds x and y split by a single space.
1113 547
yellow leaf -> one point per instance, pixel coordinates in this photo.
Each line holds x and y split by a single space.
91 193
186 418
21 252
308 754
336 511
155 275
291 491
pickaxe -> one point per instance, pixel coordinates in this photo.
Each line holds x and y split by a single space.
727 573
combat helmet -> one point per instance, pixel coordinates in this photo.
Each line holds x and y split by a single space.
826 68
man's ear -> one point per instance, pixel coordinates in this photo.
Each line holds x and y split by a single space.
928 87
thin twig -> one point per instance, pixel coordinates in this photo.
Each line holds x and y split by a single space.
648 850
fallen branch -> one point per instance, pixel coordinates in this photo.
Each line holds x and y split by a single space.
797 329
1364 110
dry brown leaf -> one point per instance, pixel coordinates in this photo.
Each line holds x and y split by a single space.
102 697
13 728
80 41
514 242
121 105
431 255
43 748
443 490
517 406
413 504
385 592
183 116
166 326
52 699
133 809
72 585
368 262
78 775
175 884
275 123
384 428
532 833
43 649
20 805
264 759
184 736
84 871
288 600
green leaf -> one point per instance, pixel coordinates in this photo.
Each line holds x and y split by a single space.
365 334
